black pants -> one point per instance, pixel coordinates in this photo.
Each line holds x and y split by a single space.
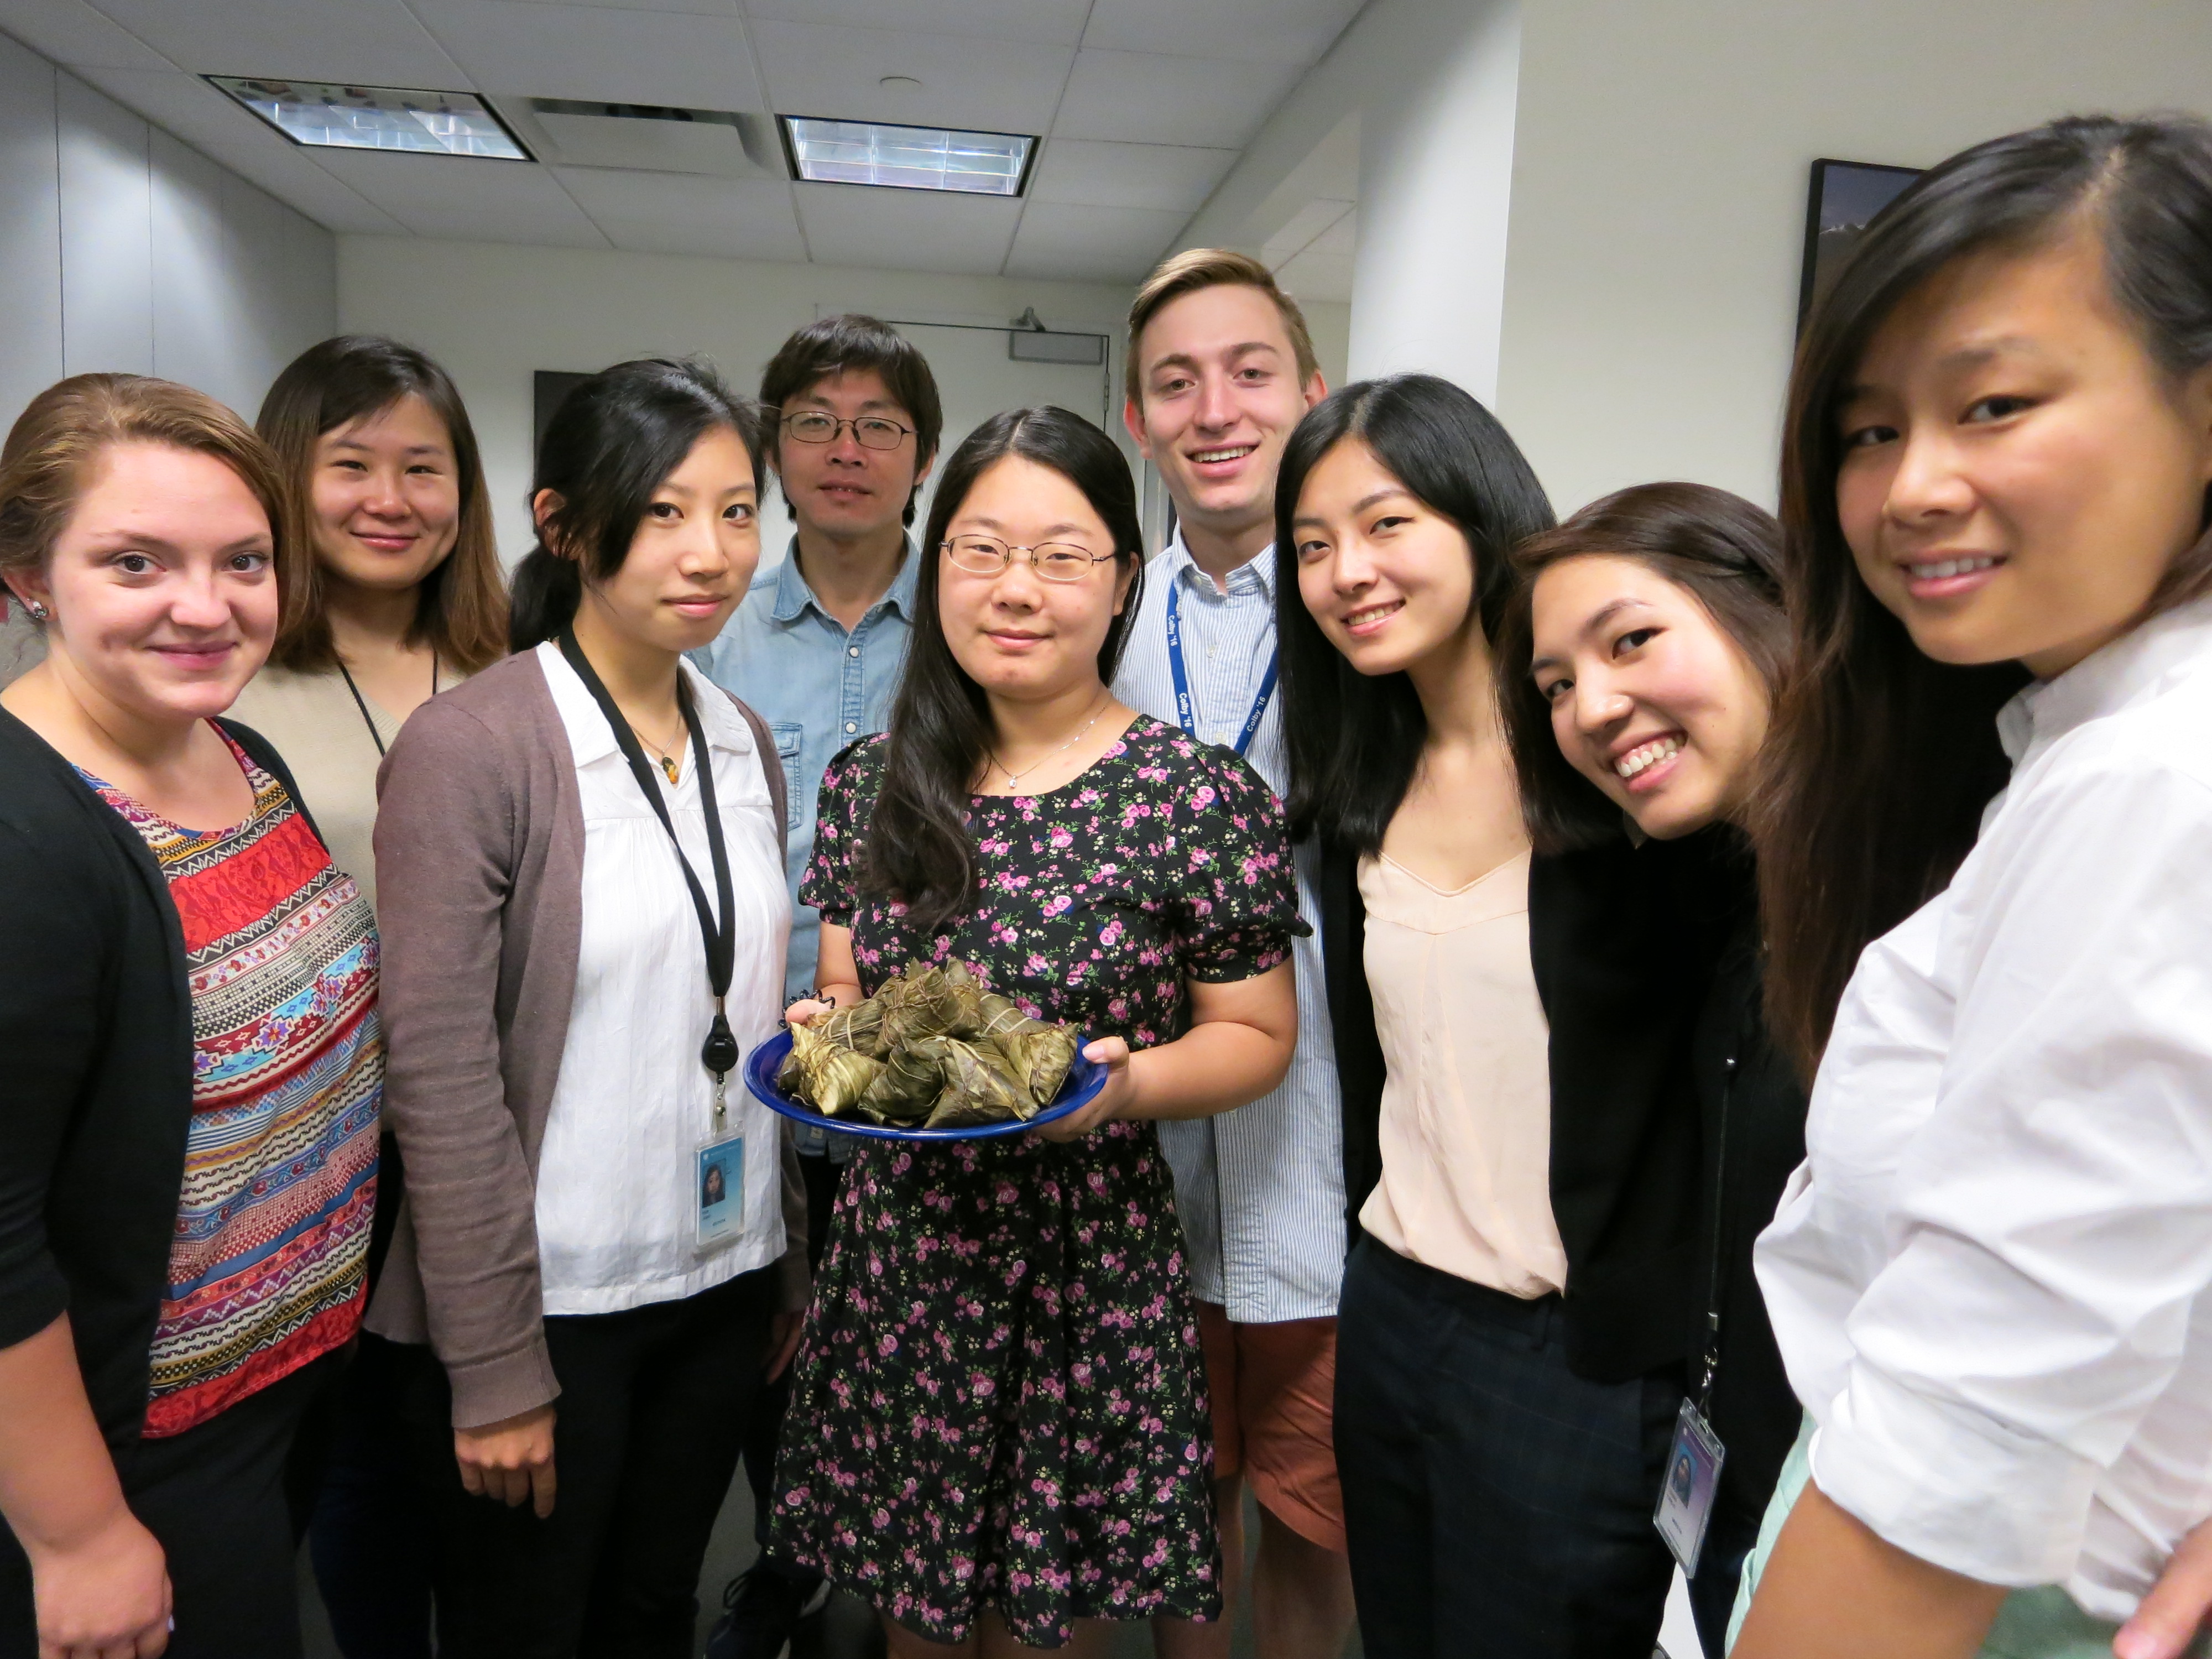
214 1497
823 1178
1494 1503
369 1536
653 1409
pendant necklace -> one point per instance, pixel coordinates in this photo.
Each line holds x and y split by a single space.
1013 777
668 762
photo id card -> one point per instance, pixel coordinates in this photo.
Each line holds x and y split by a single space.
1693 1480
720 1182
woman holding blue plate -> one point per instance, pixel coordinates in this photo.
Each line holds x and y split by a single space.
999 1428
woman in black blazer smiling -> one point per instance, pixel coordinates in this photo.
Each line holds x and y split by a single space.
1519 1132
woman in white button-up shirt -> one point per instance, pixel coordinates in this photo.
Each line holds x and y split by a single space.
1991 1280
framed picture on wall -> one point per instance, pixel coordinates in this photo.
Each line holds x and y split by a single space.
1843 197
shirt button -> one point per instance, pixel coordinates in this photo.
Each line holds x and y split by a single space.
852 650
850 726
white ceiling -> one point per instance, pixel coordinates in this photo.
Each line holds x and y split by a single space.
1144 105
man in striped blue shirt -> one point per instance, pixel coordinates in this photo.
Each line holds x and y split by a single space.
1220 370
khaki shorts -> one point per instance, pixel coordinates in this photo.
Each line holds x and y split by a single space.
1273 1387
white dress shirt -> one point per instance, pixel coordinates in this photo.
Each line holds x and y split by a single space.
1988 1278
1260 1190
618 1187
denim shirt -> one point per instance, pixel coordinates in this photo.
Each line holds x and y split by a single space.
819 688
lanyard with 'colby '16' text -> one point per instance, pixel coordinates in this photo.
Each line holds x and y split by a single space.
1186 711
719 1054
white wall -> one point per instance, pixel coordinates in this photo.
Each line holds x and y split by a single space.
1659 183
494 314
126 251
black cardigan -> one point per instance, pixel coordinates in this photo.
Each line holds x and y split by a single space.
1622 940
1734 1060
96 1071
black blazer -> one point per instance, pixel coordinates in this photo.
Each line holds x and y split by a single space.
1734 1061
96 1071
1622 940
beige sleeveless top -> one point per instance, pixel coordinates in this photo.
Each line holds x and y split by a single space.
1467 1106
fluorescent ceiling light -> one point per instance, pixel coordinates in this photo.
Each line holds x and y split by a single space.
377 117
907 158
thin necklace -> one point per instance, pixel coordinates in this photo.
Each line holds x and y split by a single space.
1013 777
668 761
362 702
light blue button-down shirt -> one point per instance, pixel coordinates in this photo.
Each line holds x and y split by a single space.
819 688
1260 1189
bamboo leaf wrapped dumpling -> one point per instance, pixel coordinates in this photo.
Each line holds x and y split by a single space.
979 1085
907 1086
828 1077
927 1006
1039 1053
859 1027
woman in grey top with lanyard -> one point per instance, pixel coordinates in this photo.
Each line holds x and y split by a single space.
585 917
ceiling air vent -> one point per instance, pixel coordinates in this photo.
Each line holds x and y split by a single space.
717 143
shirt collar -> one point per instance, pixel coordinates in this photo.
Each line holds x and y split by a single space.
2140 664
591 739
793 595
1257 572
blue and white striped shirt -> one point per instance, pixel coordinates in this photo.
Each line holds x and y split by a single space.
1260 1189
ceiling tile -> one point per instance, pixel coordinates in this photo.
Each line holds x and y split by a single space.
368 42
1092 244
907 229
291 176
608 54
701 7
1055 22
999 86
1252 31
1165 177
1317 273
71 32
467 199
1147 98
669 213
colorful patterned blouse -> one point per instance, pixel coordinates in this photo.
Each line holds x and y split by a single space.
267 1266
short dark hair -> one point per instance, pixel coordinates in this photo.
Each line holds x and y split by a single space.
611 443
1718 548
837 345
462 613
1881 759
1354 740
919 846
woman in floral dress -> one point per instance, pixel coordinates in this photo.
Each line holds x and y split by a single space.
998 1429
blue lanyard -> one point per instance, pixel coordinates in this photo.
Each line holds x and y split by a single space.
1185 712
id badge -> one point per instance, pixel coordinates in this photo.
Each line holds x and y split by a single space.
719 1185
1693 1480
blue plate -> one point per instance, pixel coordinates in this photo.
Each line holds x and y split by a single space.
1085 1078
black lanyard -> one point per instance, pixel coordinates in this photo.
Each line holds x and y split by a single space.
362 702
719 1052
1716 1266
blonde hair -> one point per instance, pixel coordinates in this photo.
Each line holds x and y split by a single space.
1200 268
48 461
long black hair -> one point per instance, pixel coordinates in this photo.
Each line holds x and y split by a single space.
1355 740
1882 759
1718 548
918 848
612 443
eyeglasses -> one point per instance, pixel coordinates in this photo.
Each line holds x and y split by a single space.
1056 561
815 426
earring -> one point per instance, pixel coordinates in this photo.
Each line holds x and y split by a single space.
39 612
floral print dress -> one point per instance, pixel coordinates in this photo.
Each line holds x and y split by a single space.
1000 1401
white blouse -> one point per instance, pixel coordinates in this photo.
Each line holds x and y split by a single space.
1990 1278
617 1191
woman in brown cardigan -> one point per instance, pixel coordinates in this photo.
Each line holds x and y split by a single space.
585 919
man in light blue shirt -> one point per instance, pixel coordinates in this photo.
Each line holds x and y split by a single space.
1220 372
816 649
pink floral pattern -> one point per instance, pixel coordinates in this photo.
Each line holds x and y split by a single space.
1000 1401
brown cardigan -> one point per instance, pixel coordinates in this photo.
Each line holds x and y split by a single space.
479 818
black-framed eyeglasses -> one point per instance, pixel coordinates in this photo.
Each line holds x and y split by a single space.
1056 561
819 426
